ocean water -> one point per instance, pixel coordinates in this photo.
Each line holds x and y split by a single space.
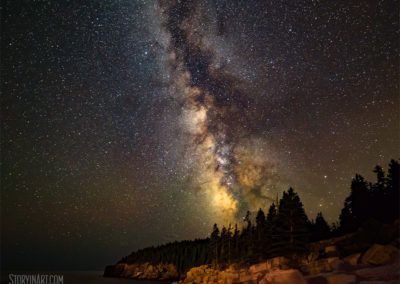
77 277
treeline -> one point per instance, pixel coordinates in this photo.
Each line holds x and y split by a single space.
285 229
183 255
379 200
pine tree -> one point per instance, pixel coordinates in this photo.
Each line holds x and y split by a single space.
229 234
356 207
292 224
224 246
260 224
380 178
236 247
393 192
271 215
248 240
378 195
320 229
260 234
271 231
214 244
394 175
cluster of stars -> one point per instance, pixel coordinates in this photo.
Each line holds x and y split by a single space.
95 158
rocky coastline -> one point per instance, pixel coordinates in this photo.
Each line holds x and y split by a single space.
349 259
380 264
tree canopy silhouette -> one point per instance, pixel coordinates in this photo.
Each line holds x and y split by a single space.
379 200
285 230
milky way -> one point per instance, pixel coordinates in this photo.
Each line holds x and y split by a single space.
216 114
133 123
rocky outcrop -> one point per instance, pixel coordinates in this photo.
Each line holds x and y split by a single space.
292 276
269 272
142 271
115 270
379 264
389 271
351 244
378 254
349 259
352 259
320 265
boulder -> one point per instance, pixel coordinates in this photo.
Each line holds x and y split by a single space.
169 272
137 274
291 276
259 268
258 276
212 278
150 272
244 277
232 277
338 265
321 265
331 251
279 262
379 254
352 259
195 272
341 278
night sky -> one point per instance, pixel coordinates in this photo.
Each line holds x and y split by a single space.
134 123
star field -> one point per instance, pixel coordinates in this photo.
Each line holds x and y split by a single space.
129 124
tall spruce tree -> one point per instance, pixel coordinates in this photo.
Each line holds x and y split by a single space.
271 216
393 191
229 236
225 245
356 208
248 240
261 235
215 245
320 229
291 225
271 231
236 243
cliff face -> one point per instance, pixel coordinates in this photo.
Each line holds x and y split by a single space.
142 271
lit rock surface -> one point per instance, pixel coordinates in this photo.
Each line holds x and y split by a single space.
374 264
378 254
